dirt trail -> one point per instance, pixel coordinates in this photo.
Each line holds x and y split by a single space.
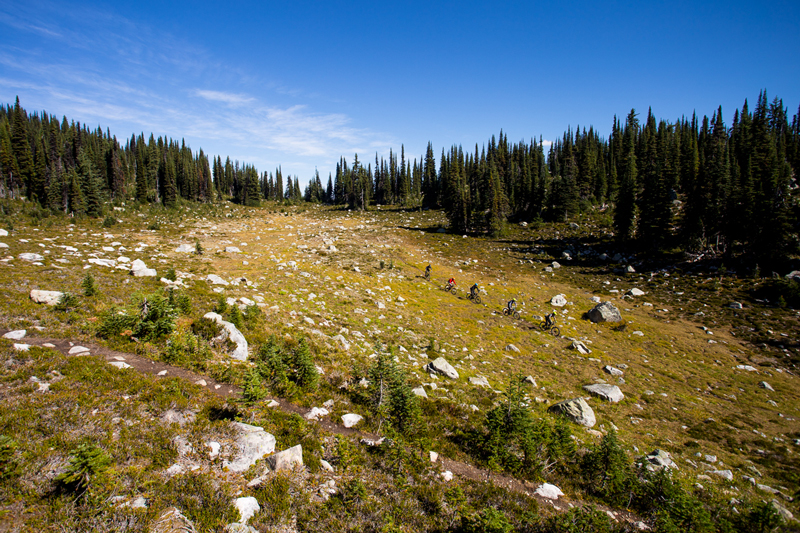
227 391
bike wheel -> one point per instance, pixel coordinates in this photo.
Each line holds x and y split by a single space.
543 325
555 331
516 315
477 299
453 290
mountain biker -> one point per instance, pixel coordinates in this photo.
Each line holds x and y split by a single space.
451 283
473 291
428 270
512 305
550 320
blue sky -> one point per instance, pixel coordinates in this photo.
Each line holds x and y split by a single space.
299 84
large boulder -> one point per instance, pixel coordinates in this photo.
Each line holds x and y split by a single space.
559 300
232 333
604 312
351 419
576 410
31 257
442 367
185 249
549 491
658 460
247 507
216 280
46 297
287 459
139 269
479 381
609 393
253 444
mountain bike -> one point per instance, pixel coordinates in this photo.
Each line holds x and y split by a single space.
475 299
514 314
550 328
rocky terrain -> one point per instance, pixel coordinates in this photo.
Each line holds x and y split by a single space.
109 425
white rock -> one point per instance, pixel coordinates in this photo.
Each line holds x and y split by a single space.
420 392
287 459
110 263
232 333
441 366
635 292
479 381
215 446
15 335
119 364
351 419
3 233
763 384
447 475
609 393
549 491
247 506
326 465
253 444
232 250
185 249
559 300
433 456
46 297
724 474
216 280
3 245
20 347
78 350
316 413
512 348
31 257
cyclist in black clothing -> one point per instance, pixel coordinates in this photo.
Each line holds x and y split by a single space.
428 271
473 290
549 320
512 305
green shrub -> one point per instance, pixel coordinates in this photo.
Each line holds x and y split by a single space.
109 221
170 275
154 226
272 366
151 317
88 286
489 520
183 347
579 520
87 463
206 328
253 390
205 501
67 302
306 375
198 248
607 472
9 466
390 395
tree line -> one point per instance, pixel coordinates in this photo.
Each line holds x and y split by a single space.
67 167
692 185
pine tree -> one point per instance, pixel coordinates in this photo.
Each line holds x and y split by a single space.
625 211
306 374
22 149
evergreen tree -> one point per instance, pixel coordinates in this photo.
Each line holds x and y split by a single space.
625 211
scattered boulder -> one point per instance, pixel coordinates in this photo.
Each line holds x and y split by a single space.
232 250
31 257
783 511
351 419
442 367
559 300
139 269
604 312
576 410
287 459
253 444
549 491
216 280
658 460
247 506
173 521
530 380
735 305
767 386
609 393
232 333
555 265
15 335
580 347
420 391
630 270
608 369
512 348
46 297
635 292
3 233
79 350
185 249
479 381
724 474
316 413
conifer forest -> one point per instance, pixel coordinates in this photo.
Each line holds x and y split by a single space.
697 185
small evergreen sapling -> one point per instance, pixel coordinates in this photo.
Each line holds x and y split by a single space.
88 286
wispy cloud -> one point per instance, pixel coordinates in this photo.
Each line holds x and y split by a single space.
228 98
